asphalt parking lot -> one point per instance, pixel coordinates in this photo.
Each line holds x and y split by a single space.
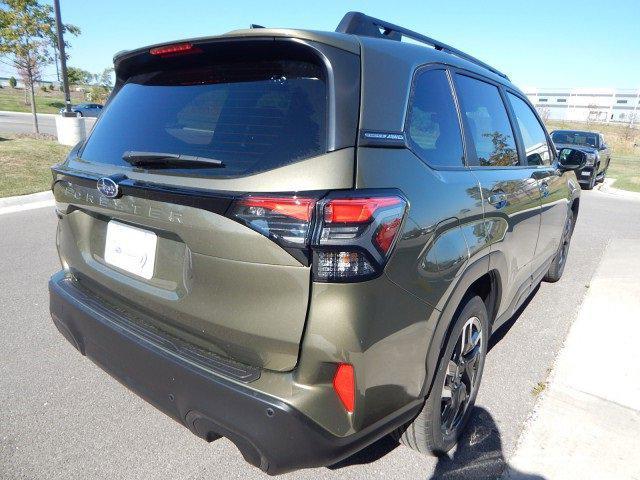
61 417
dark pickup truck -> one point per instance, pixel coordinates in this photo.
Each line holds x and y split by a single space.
597 150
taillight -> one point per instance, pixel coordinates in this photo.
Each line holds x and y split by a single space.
349 235
355 234
282 218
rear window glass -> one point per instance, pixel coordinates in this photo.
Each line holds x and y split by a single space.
533 136
433 122
252 116
487 122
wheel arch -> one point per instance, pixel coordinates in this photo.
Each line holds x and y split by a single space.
477 279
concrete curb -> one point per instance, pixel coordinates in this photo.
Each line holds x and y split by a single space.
586 423
608 188
21 203
7 112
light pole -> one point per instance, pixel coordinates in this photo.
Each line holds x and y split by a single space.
63 61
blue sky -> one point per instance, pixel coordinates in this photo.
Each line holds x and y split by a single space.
563 43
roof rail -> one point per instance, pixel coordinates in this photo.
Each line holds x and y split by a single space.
358 23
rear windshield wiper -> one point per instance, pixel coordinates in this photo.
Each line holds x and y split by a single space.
168 160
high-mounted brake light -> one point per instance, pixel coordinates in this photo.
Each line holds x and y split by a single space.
344 384
175 49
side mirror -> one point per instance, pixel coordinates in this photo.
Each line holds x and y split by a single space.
571 159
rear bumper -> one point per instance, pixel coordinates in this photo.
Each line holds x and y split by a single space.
269 433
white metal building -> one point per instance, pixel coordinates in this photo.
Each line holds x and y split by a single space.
587 104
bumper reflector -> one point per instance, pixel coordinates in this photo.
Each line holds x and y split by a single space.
344 385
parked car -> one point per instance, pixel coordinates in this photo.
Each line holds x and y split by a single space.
597 150
300 241
85 109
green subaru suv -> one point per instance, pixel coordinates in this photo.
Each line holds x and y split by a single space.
303 241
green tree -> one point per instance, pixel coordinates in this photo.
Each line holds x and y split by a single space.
105 78
26 30
78 76
13 83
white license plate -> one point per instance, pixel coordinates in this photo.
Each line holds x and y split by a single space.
585 174
131 249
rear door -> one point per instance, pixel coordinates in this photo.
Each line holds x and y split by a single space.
554 193
212 253
511 197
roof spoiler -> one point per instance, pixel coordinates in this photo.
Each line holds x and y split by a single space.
357 23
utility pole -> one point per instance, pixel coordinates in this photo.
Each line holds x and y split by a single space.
55 57
63 61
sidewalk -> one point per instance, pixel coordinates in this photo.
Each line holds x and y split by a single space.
587 423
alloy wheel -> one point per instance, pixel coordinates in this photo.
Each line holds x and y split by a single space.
461 377
566 239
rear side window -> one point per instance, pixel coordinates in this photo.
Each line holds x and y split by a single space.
434 131
535 141
253 116
487 122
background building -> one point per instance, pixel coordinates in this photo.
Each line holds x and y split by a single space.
587 104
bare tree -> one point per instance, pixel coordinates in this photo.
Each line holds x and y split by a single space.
29 69
544 113
630 131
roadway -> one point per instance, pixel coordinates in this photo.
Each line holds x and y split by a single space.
17 122
62 417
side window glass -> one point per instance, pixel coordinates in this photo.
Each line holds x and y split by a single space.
433 128
488 122
533 137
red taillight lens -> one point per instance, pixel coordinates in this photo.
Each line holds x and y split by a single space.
300 208
386 234
344 384
175 49
355 210
283 218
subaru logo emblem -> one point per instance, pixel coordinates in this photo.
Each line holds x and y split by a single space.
108 187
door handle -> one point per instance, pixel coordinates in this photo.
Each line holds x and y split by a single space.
498 199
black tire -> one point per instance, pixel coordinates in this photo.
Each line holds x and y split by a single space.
560 260
426 433
79 114
592 181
